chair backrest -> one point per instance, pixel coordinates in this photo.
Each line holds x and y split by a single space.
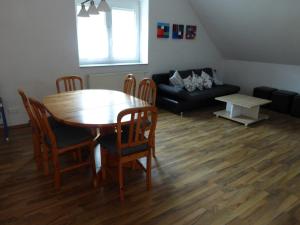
41 116
129 85
70 83
147 91
140 124
28 108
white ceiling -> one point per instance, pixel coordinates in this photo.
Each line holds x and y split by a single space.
254 30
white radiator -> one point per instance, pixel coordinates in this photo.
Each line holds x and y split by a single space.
112 81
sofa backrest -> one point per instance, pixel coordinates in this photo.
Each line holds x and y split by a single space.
163 78
207 70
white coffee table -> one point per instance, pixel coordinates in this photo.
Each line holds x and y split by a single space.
242 108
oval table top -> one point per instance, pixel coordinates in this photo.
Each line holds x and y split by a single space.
91 107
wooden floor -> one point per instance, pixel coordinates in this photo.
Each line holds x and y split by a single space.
209 171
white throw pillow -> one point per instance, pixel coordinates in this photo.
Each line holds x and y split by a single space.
207 80
198 81
217 81
176 80
188 84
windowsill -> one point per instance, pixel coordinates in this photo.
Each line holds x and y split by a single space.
111 64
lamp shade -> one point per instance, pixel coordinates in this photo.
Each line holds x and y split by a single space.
83 12
103 6
92 9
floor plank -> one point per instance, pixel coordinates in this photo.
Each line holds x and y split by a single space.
208 171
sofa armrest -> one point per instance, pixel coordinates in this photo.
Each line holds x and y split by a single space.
172 91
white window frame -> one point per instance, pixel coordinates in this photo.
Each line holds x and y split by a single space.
132 5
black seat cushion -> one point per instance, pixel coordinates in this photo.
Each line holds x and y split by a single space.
295 111
54 123
109 142
69 135
282 100
263 92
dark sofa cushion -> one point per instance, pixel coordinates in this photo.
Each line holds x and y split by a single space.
207 70
172 92
161 78
216 91
181 94
183 73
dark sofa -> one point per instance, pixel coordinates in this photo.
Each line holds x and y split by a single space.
179 100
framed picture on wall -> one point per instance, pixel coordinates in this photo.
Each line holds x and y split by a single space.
163 30
190 32
178 31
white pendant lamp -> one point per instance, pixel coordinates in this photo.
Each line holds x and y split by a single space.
83 12
92 9
103 6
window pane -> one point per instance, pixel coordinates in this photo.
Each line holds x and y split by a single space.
92 38
124 34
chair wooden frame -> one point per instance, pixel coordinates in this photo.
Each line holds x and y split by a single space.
69 83
136 136
36 134
129 85
40 113
147 92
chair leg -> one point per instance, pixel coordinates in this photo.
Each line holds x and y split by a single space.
148 172
45 160
104 156
121 181
37 151
79 155
93 165
57 178
153 148
74 155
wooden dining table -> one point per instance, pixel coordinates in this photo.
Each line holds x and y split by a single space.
91 108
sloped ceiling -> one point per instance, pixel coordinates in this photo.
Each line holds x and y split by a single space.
254 30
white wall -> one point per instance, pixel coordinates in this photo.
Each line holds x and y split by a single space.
248 75
253 30
38 44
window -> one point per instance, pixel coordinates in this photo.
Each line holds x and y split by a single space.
113 38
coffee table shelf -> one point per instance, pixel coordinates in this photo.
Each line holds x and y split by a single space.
246 120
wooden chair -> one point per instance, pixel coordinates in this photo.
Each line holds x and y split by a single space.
36 134
41 159
147 92
4 122
62 140
129 85
70 83
131 144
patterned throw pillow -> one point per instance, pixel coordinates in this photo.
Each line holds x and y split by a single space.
207 80
188 84
216 79
176 80
198 81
